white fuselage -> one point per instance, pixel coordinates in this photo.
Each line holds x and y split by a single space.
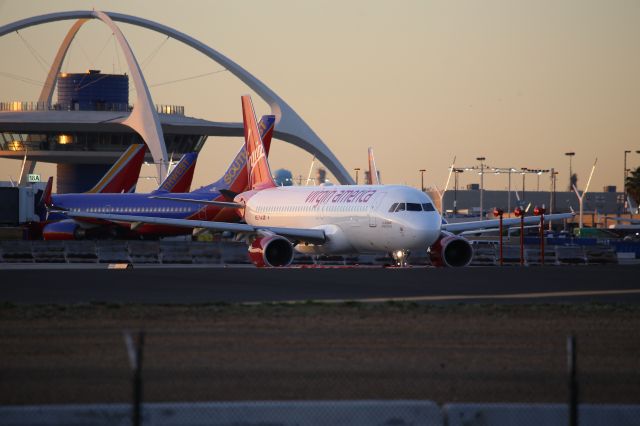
355 219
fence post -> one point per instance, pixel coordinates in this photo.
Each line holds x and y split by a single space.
135 353
573 382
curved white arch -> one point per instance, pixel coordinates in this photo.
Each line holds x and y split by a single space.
291 128
50 83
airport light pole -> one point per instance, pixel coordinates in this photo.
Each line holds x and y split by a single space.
524 174
509 188
570 155
498 213
357 169
455 189
518 212
539 211
422 179
481 160
552 201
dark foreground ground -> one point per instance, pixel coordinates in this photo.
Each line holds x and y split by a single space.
478 353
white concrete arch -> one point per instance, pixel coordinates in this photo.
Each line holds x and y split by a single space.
291 128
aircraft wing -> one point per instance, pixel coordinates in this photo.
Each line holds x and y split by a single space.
495 223
313 236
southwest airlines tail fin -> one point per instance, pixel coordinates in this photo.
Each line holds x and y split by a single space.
123 175
235 179
180 178
374 177
46 195
257 165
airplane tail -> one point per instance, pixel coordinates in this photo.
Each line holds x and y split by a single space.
123 175
374 177
46 195
235 179
258 169
180 178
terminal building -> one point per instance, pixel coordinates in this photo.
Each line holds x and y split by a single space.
467 201
82 132
93 121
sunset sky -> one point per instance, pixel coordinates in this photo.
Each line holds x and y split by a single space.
518 82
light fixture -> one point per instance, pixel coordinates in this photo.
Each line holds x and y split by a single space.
65 139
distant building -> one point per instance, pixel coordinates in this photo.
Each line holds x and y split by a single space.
562 201
283 177
321 176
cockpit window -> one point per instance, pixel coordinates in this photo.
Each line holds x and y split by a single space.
428 207
411 207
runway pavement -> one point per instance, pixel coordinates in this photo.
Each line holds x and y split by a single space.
199 285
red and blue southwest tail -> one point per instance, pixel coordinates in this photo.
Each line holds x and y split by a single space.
123 175
180 178
259 173
235 178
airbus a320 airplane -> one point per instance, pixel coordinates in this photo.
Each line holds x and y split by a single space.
341 219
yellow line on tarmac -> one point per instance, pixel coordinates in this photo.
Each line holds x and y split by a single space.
452 297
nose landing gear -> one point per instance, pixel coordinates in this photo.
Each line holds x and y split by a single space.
400 257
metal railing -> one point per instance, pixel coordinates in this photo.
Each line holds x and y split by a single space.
31 106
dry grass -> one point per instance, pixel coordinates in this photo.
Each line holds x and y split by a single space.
68 354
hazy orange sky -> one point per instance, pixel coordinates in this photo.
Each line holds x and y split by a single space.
518 82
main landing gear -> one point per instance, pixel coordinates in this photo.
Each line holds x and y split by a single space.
400 257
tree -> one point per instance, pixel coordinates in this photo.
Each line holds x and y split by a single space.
573 181
632 185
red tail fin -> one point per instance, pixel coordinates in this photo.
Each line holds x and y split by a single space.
257 164
46 195
123 175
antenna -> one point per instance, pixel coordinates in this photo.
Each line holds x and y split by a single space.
24 162
310 170
446 185
581 196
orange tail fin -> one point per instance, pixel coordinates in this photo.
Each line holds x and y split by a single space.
257 164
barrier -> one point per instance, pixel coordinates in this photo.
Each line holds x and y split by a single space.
539 414
371 412
231 252
281 413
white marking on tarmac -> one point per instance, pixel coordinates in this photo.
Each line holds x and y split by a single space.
452 297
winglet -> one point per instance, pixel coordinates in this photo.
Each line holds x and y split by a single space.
123 175
258 168
180 178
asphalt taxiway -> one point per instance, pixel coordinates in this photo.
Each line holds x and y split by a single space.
199 285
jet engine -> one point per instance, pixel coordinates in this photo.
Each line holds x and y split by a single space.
63 230
272 250
451 250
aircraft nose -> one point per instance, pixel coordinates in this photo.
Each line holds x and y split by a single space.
427 231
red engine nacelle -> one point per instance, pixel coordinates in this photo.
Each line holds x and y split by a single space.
270 251
62 230
451 250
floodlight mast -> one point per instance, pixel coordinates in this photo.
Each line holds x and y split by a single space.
313 160
446 185
581 197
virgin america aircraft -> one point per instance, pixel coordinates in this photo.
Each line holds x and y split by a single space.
341 219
